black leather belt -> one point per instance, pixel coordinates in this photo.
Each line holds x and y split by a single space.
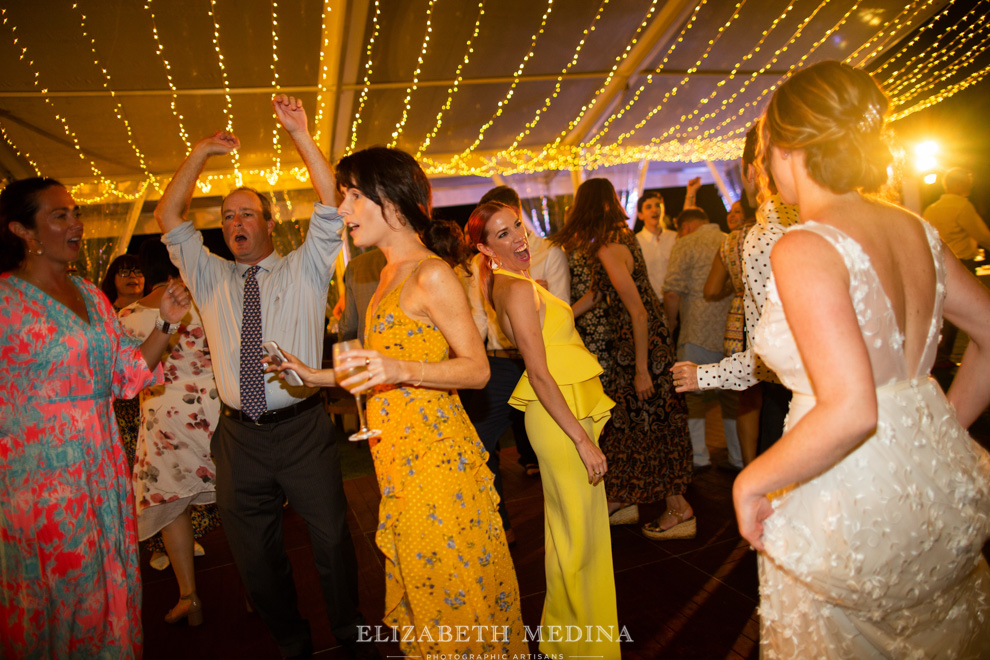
272 416
510 353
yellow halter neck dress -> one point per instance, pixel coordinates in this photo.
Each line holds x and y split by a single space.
446 560
580 579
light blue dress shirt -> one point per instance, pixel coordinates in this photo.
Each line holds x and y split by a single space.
293 301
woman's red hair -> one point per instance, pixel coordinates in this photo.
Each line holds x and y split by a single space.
477 234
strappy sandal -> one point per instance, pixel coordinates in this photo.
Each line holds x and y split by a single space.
684 529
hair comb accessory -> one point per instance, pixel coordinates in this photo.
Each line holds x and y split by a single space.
870 119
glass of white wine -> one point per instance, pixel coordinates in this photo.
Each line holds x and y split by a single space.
342 373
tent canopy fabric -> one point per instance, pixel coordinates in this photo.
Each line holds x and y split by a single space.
111 94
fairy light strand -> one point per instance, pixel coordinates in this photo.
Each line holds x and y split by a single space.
363 98
512 87
531 124
235 156
173 103
619 59
323 92
936 52
276 143
35 79
108 85
407 102
21 153
752 78
453 89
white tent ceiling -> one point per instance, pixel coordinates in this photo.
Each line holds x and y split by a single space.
109 94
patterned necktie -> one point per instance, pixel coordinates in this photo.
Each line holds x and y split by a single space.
252 376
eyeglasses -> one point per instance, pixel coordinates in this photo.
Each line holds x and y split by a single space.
128 272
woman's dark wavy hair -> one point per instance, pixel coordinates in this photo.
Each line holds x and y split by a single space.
109 285
392 176
18 203
446 236
595 218
834 113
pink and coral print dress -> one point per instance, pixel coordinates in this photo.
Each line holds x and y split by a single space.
69 580
446 560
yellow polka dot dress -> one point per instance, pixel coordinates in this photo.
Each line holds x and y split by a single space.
450 582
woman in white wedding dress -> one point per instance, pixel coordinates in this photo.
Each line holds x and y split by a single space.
871 512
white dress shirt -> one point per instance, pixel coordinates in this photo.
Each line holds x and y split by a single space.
744 369
293 299
548 262
656 252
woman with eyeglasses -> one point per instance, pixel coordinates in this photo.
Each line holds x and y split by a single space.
124 281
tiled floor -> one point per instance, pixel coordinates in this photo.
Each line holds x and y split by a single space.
678 599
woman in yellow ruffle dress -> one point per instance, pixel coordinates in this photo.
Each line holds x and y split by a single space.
566 409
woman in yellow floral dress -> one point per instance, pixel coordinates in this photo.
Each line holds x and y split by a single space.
450 579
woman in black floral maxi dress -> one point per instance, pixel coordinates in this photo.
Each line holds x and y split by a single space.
646 442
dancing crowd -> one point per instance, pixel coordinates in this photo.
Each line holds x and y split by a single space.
815 322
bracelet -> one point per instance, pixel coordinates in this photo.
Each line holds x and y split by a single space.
165 326
422 373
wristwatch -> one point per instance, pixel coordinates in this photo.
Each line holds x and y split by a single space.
165 326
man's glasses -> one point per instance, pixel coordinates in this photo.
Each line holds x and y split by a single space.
128 272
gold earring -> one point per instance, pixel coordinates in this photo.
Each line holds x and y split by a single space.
494 265
40 251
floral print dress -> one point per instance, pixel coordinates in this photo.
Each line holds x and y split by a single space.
446 560
173 467
69 580
646 442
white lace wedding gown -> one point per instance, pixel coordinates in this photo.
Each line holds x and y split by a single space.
879 556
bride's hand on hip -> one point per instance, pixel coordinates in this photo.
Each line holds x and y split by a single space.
751 510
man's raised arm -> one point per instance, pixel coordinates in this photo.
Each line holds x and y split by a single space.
174 204
290 113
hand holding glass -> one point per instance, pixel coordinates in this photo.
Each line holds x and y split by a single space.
343 372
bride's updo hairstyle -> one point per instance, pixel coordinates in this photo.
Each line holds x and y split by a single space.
834 113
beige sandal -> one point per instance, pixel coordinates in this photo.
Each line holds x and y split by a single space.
684 529
626 515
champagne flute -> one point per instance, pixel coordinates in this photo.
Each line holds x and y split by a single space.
342 373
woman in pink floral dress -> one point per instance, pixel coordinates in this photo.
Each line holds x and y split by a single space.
173 468
69 580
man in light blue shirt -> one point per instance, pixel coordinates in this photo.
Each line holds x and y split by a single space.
287 448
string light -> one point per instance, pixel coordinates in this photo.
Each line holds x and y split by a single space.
22 154
323 93
951 90
918 34
512 88
35 79
107 85
774 58
183 134
933 55
376 28
415 78
451 91
276 144
915 78
884 36
531 124
620 58
235 156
